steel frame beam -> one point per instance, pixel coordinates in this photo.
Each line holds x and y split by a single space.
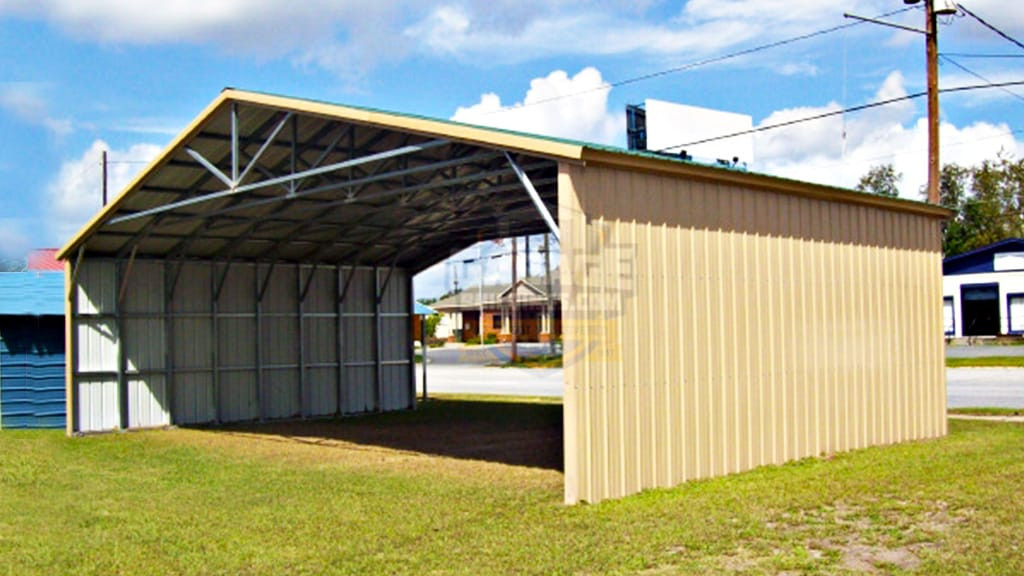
541 207
235 187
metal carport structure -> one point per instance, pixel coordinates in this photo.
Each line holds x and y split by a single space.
714 320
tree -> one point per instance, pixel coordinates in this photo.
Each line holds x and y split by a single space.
882 180
988 202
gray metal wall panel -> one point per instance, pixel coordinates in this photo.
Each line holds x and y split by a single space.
238 294
144 346
321 296
358 338
97 345
280 340
360 383
192 293
321 340
237 342
147 398
395 388
360 296
195 386
96 402
281 393
396 293
192 343
238 399
282 289
395 339
193 398
322 386
144 289
97 288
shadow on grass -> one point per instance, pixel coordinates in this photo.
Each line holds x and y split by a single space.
515 433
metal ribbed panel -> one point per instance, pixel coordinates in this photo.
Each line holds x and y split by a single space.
711 329
32 391
191 357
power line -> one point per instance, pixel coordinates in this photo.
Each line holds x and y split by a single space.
692 65
979 76
842 111
989 26
972 55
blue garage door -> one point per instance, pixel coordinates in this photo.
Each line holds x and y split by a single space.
32 372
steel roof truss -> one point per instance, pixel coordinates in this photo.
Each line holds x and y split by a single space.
236 189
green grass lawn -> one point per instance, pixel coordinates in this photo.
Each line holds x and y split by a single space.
473 487
986 362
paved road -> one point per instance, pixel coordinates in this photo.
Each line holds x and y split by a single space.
985 387
468 379
982 351
966 387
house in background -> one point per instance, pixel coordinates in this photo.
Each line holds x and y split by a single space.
983 291
32 385
539 317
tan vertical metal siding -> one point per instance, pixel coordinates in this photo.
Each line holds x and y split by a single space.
710 329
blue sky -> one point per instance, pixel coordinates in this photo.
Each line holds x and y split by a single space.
80 76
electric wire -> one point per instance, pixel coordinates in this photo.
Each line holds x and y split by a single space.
990 27
979 76
974 55
842 111
691 65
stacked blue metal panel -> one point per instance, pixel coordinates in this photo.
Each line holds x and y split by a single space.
32 392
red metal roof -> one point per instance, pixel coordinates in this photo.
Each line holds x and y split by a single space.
44 259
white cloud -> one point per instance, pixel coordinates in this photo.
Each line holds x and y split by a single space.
75 195
352 36
898 134
544 111
27 102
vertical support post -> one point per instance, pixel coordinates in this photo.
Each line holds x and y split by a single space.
70 342
423 344
378 361
300 293
259 341
412 338
170 283
122 379
340 326
215 347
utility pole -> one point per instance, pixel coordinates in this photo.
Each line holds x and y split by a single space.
103 163
932 56
931 41
515 302
547 289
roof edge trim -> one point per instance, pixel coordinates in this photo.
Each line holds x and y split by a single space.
161 159
760 181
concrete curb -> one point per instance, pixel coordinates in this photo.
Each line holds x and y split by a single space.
1015 419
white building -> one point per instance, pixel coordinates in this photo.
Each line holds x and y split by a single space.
983 291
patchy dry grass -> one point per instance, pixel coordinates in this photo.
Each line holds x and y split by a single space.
474 487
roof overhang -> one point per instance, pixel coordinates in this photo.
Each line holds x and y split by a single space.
266 178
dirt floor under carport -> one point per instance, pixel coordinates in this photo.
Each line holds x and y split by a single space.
505 431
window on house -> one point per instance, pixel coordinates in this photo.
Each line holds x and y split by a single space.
496 321
948 316
1015 319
